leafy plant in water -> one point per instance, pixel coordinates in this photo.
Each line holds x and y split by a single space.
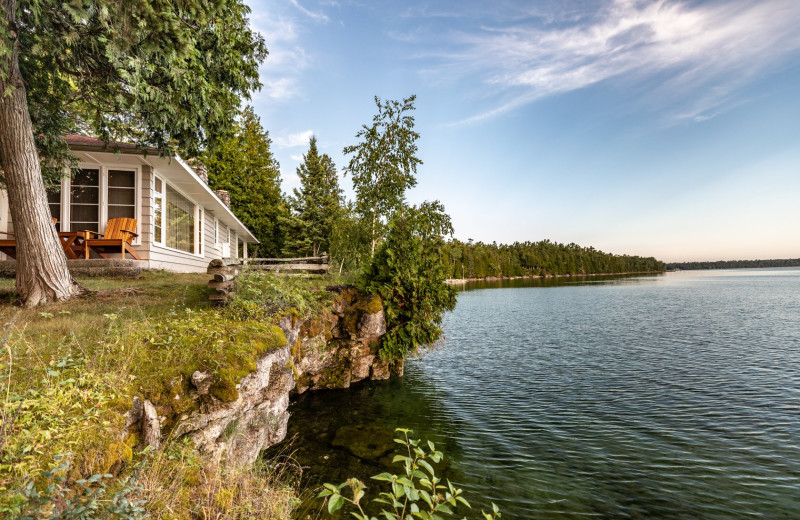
417 493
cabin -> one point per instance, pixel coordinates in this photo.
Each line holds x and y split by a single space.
182 224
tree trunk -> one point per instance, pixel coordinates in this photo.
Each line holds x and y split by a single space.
42 273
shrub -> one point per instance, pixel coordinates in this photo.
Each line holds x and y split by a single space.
262 295
409 274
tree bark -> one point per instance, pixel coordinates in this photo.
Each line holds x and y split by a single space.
42 273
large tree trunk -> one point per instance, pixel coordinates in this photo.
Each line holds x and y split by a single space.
42 273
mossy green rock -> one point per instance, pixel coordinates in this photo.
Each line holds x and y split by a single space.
365 441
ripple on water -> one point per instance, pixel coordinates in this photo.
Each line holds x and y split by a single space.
674 397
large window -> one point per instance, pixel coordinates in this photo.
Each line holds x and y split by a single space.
180 213
85 200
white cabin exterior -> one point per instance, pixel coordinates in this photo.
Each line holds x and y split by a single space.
182 223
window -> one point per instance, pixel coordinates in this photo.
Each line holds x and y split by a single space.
158 211
216 231
54 201
121 194
180 221
85 200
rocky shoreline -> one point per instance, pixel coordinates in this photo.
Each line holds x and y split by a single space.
332 350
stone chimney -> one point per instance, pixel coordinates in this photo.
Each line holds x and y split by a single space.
199 168
224 196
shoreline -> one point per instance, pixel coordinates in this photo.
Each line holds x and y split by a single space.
457 281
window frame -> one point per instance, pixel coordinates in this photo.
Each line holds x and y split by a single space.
198 209
65 217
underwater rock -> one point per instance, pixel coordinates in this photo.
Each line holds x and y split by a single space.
365 441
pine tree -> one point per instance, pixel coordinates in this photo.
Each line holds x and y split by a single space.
244 165
315 204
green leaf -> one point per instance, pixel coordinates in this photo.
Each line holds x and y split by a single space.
335 502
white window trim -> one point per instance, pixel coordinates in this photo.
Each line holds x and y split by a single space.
216 233
199 216
163 241
164 245
66 185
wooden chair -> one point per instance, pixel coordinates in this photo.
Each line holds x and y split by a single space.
9 245
119 234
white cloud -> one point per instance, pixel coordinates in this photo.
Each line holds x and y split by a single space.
297 157
287 59
316 16
701 53
294 140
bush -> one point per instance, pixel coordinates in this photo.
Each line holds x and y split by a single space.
409 274
262 295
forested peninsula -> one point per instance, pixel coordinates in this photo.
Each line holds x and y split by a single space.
543 258
733 264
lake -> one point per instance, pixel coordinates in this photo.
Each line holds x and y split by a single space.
662 397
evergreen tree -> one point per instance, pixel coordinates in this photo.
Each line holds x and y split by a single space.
243 164
315 205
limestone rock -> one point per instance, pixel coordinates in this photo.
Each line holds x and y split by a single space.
202 381
365 441
151 425
372 325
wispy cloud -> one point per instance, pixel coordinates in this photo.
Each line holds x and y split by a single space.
314 15
294 140
287 59
700 54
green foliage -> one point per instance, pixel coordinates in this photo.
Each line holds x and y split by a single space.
315 206
56 499
478 260
155 72
263 296
383 164
408 273
243 164
350 240
417 493
204 340
65 386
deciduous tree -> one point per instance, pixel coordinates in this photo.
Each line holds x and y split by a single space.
383 165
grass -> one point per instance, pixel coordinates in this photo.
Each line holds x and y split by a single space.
68 372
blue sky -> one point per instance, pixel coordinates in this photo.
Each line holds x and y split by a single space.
659 128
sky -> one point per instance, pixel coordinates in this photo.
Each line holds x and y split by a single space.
652 128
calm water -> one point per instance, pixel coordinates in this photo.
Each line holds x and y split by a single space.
669 397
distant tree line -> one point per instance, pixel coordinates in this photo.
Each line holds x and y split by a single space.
734 264
479 260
